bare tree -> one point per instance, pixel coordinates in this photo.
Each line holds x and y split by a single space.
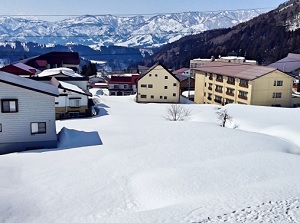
177 113
223 117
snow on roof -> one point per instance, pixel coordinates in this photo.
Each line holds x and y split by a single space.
61 70
288 64
68 86
28 83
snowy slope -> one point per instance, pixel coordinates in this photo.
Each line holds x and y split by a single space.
131 165
132 31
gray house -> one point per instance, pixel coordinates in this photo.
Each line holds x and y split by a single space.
27 116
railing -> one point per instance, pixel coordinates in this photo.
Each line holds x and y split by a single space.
219 91
231 82
230 93
243 97
218 101
243 85
210 88
219 80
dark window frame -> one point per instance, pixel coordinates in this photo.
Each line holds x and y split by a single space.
41 129
9 100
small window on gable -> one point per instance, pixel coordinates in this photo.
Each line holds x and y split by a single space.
166 77
152 96
166 87
38 127
161 97
174 94
143 96
150 75
150 85
165 97
9 105
174 84
143 85
155 75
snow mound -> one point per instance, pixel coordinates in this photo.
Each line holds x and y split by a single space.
70 138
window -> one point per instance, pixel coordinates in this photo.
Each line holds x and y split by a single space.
174 94
0 127
166 87
9 105
38 127
219 78
278 83
143 85
219 88
143 96
150 85
150 75
231 80
243 95
210 76
161 97
116 86
209 96
74 102
243 83
152 96
125 86
112 93
228 101
277 95
166 77
218 99
155 75
230 91
174 84
210 86
165 97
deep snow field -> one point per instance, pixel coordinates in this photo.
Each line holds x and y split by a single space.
129 164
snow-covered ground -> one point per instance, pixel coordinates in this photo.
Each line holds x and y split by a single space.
131 165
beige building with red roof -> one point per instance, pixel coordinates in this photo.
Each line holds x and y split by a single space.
223 82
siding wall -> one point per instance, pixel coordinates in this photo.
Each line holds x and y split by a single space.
157 79
16 127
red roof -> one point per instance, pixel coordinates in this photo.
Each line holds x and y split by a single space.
41 63
180 71
124 79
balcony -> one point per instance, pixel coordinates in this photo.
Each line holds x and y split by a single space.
230 93
219 91
219 80
218 101
210 78
231 82
210 88
243 85
209 98
243 97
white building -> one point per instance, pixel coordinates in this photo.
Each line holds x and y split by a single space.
27 119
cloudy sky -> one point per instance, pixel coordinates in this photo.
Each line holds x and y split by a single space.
69 8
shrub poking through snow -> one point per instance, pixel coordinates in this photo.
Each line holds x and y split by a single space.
177 113
224 117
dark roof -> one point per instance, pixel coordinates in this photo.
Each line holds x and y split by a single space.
181 77
29 84
154 66
19 69
53 58
243 71
288 64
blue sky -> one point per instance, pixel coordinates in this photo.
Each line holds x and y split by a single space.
123 7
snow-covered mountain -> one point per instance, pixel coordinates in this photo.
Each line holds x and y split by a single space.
96 31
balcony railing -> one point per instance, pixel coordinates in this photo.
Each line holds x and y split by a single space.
210 88
219 90
231 82
209 98
243 97
219 80
218 101
243 85
210 78
230 93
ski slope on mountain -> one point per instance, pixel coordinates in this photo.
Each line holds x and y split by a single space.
129 164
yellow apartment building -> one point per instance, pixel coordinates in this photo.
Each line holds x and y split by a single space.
158 85
223 82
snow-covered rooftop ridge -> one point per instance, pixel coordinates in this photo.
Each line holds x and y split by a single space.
61 70
71 87
27 83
